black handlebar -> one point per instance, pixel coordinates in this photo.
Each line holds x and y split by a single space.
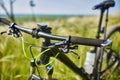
72 39
5 21
86 41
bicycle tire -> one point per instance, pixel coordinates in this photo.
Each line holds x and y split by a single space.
110 58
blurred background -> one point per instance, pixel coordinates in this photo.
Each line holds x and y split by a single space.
65 17
53 7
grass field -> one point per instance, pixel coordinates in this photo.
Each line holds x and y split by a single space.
14 65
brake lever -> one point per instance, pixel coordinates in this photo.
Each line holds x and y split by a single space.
74 47
17 34
3 32
75 53
12 30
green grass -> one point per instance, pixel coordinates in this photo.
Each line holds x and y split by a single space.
14 65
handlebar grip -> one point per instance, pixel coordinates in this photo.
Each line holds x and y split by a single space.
86 41
5 21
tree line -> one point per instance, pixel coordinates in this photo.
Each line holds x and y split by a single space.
10 12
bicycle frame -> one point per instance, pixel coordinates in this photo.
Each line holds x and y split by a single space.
52 52
64 59
44 58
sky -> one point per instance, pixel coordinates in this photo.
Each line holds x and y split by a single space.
72 7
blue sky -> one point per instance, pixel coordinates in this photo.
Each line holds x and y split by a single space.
59 7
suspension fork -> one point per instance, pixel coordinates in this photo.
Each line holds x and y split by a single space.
44 58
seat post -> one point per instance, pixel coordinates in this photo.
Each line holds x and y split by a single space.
100 23
106 21
99 26
97 37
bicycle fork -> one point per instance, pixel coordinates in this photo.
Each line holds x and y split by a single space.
32 71
44 58
33 68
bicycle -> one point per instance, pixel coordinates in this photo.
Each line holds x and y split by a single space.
66 44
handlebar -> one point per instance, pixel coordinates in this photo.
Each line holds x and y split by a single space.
5 21
38 34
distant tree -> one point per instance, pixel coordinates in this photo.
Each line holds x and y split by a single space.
32 4
11 13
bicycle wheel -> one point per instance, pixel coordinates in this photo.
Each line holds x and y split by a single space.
108 63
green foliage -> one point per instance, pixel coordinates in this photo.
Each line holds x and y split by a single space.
14 65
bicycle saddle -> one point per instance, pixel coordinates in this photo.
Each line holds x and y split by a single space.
105 4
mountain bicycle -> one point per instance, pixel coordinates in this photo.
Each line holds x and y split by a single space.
107 54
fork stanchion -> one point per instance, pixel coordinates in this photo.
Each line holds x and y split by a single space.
32 66
49 70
